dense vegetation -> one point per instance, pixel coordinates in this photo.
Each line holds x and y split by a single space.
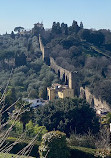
30 76
54 145
68 115
23 72
87 51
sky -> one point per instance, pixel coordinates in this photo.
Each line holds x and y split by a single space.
93 13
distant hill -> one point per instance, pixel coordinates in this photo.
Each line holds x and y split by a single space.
75 48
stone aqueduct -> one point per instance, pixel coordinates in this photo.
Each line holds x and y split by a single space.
71 79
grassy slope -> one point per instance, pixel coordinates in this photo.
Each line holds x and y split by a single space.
4 155
87 150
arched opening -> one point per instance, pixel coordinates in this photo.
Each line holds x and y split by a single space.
92 103
59 73
67 81
63 78
47 60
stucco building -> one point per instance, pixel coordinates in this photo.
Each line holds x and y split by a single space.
59 91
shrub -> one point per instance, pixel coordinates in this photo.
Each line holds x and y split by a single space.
40 130
54 145
86 140
17 128
34 130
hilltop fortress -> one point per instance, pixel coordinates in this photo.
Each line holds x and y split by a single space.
70 78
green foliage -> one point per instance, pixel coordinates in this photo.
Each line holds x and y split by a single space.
40 130
20 59
10 96
18 29
29 129
85 140
54 145
104 90
75 151
32 130
26 116
12 35
6 155
17 128
31 79
83 152
20 145
68 115
108 118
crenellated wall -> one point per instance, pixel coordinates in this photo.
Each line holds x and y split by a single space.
98 104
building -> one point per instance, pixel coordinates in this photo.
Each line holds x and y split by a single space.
35 102
40 25
59 91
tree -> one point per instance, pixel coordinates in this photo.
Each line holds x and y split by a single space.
68 115
75 51
84 34
56 28
29 129
18 29
32 130
67 43
26 116
54 145
108 118
9 100
97 38
64 29
81 25
103 91
12 35
17 128
20 59
75 27
40 130
43 93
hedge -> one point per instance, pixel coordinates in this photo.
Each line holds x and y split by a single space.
75 151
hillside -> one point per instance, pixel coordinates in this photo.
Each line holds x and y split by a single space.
24 73
86 51
74 48
20 60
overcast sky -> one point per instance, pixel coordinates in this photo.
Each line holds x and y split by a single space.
93 13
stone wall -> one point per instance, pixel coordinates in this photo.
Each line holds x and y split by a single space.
64 74
71 80
45 51
97 103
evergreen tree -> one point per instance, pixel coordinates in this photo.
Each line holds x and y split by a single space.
12 35
81 25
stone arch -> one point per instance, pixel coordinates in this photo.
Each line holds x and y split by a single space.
67 81
47 60
63 77
59 73
92 102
